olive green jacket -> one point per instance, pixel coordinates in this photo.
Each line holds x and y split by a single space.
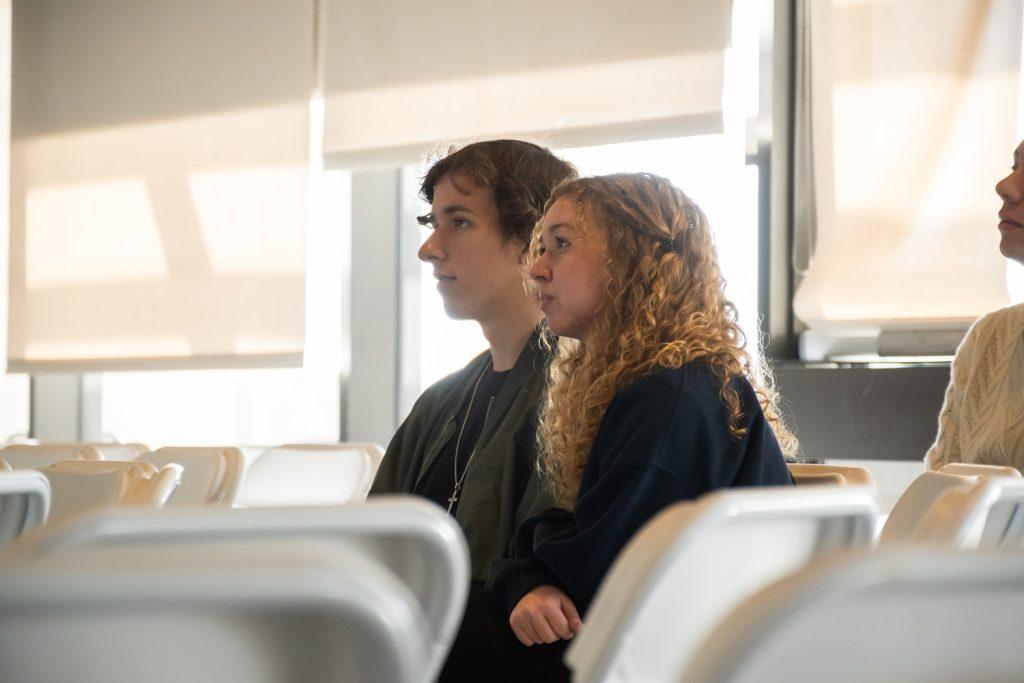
495 499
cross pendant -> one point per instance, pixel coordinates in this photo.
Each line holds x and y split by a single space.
452 500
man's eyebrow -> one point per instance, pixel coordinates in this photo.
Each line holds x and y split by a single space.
455 208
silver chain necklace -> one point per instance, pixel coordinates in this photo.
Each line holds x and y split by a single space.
458 480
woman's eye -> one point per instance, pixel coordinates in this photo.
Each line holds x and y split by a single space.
460 223
561 243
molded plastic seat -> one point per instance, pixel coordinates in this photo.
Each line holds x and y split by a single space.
812 473
264 612
909 616
414 539
311 475
917 500
111 450
212 476
912 519
33 456
987 515
24 503
968 469
80 485
692 563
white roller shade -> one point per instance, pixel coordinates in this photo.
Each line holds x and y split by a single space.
400 77
914 111
159 168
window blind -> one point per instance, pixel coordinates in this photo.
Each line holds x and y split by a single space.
400 78
908 117
159 166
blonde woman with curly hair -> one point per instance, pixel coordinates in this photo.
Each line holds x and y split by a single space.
651 398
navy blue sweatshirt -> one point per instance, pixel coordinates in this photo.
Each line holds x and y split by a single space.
663 439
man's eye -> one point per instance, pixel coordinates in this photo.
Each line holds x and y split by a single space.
459 223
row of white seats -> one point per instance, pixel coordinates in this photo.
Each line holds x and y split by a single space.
342 473
287 475
213 475
699 568
945 506
318 475
673 582
369 592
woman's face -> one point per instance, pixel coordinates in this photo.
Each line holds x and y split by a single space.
1011 217
570 270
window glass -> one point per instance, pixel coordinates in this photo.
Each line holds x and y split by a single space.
221 407
711 169
15 399
263 407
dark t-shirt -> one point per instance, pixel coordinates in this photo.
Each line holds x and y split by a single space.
439 481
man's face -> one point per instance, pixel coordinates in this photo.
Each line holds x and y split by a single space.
478 273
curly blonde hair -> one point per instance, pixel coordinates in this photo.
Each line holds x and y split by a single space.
664 305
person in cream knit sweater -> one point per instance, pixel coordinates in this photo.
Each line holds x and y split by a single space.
982 418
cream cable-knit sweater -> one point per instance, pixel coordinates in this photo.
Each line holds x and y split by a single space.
982 418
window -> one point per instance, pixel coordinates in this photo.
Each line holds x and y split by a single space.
906 117
14 397
215 407
711 169
263 407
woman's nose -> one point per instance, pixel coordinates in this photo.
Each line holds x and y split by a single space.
539 270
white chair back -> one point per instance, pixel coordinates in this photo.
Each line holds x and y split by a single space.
112 450
805 474
915 502
415 540
264 612
913 617
987 516
967 507
24 503
211 476
311 475
692 563
22 456
80 485
970 469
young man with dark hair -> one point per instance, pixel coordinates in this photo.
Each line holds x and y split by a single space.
469 442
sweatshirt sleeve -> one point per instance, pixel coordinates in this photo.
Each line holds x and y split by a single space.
946 448
574 550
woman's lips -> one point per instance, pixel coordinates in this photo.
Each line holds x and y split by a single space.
1005 225
545 299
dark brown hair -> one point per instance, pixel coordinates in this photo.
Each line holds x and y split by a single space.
521 175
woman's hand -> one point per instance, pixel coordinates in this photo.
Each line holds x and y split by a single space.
544 615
